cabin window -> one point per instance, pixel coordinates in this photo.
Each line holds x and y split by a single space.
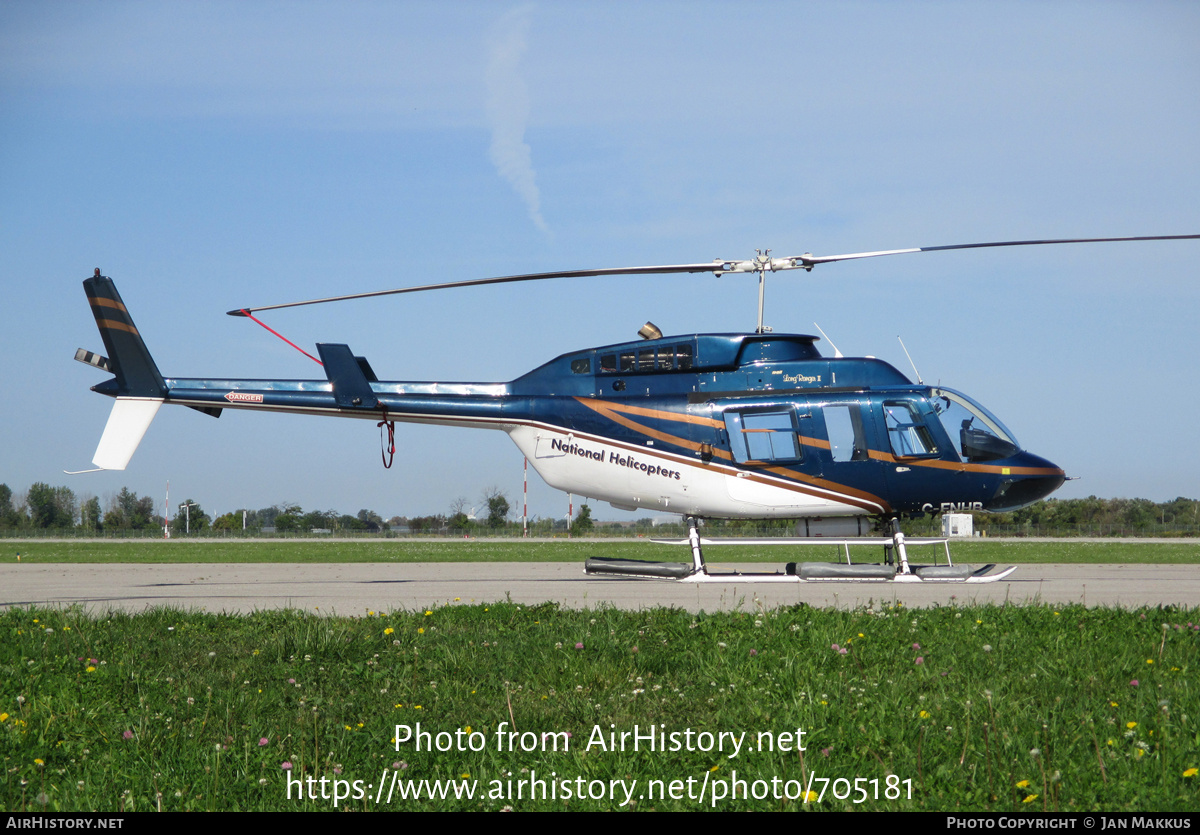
683 357
844 426
906 430
646 360
581 366
761 437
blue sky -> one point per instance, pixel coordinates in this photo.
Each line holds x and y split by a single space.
215 155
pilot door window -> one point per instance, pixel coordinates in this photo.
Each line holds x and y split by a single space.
762 437
907 432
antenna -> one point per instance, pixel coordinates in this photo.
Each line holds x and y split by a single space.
910 361
836 353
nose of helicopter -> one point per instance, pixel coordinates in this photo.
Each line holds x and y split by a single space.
1025 479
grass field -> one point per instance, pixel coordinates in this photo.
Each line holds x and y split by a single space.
956 708
999 708
514 550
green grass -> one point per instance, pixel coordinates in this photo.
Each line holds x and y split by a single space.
511 550
981 708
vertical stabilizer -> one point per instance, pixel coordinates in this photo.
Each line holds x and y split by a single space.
140 388
129 359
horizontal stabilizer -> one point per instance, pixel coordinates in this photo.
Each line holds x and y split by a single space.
351 387
130 418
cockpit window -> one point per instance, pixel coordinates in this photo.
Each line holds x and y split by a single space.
977 434
583 365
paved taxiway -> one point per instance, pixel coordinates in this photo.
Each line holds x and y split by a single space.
350 589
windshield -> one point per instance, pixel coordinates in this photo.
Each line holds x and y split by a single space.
978 435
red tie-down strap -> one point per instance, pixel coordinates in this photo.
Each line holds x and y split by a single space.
387 448
249 316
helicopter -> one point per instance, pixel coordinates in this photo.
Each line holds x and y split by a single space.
710 426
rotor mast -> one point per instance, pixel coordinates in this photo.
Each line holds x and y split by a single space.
761 263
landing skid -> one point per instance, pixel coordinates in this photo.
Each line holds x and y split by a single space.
895 569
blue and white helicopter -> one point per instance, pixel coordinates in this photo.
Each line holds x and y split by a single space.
722 426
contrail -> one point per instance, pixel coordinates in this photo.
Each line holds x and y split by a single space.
508 109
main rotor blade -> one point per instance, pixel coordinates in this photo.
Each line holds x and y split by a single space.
763 263
810 260
714 266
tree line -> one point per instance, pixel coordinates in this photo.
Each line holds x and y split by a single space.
57 509
43 508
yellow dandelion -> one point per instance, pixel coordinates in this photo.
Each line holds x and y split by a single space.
715 767
1191 772
1030 798
1024 784
467 729
388 631
1131 725
1112 704
39 761
90 669
810 797
465 775
924 714
428 613
1140 753
1149 660
3 717
421 630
